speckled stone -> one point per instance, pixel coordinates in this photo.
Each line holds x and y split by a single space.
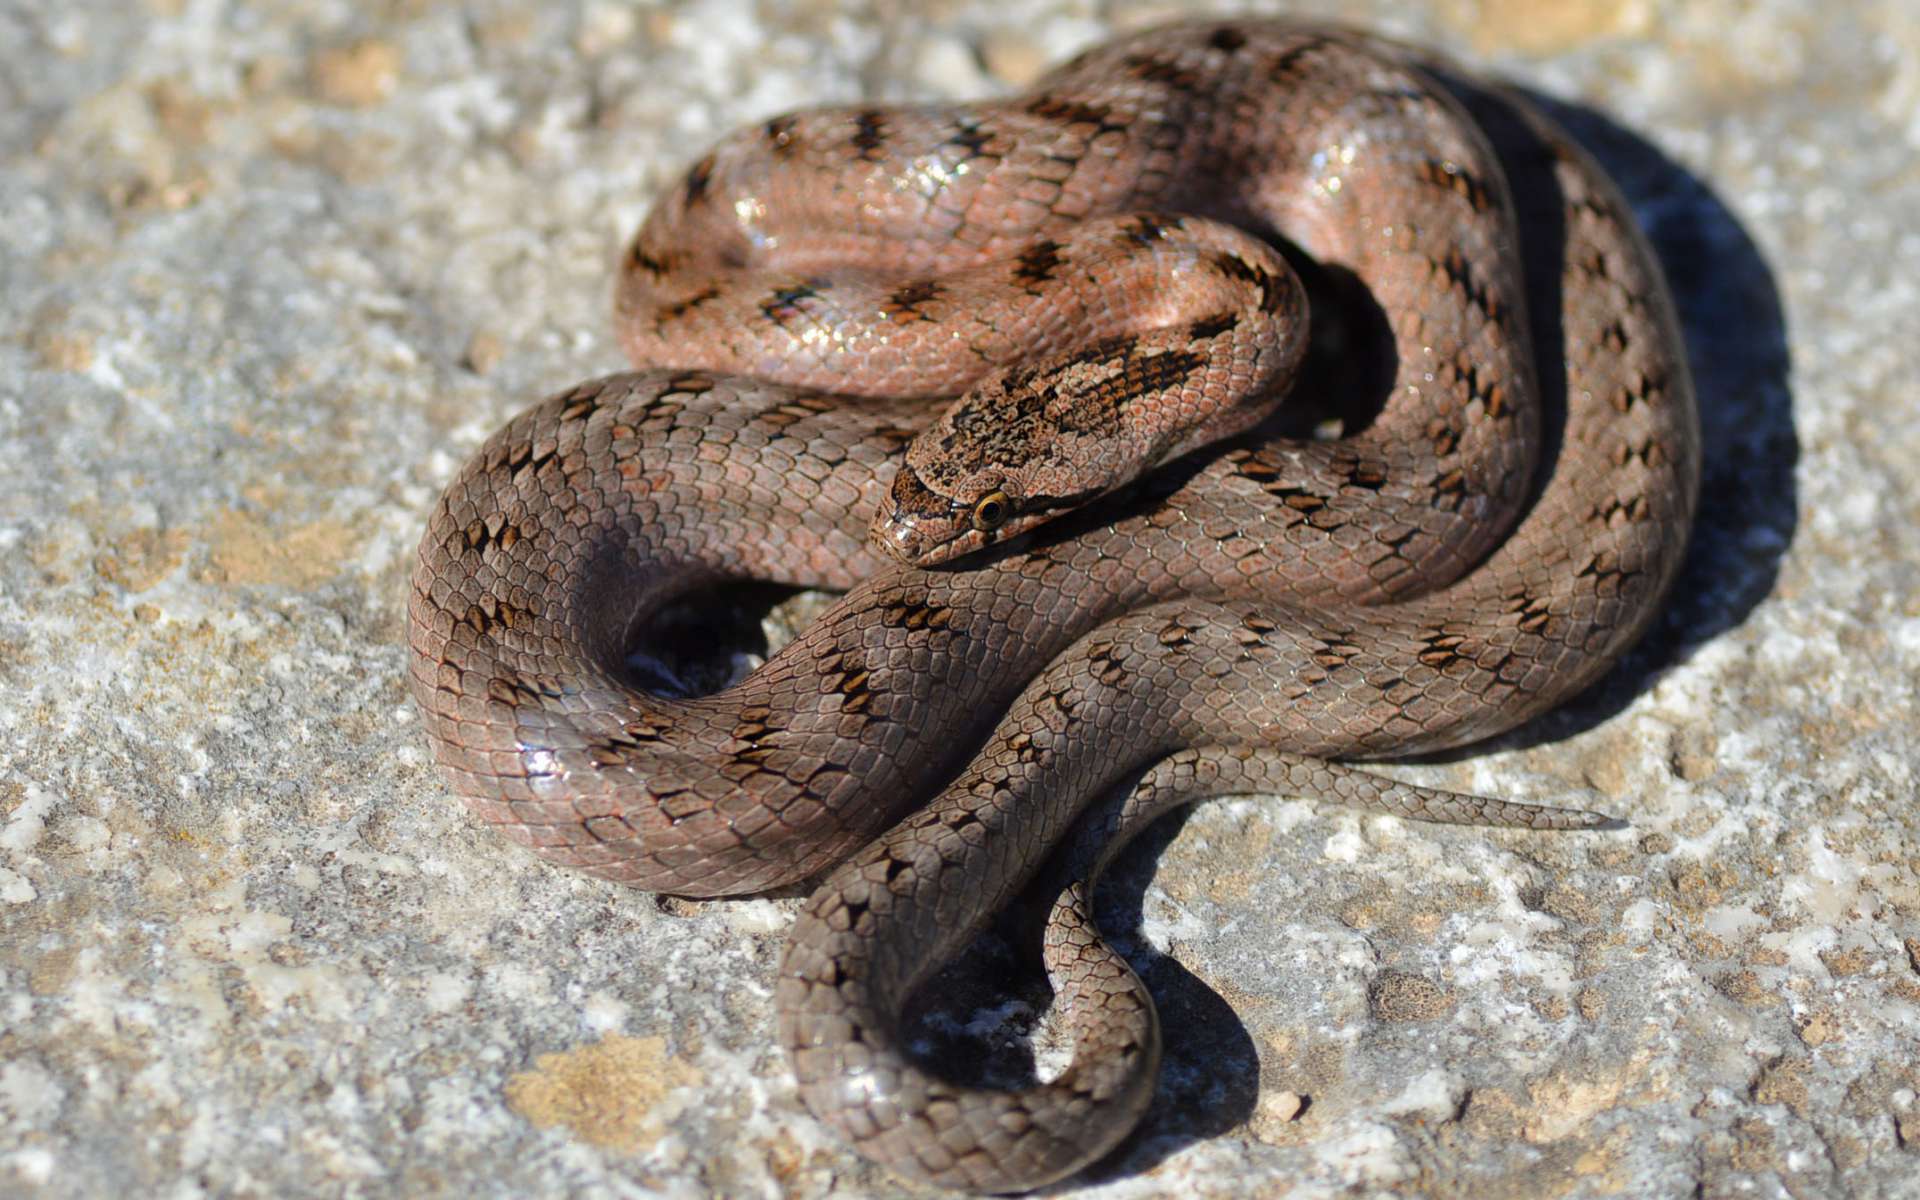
269 273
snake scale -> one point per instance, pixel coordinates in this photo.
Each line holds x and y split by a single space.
1031 635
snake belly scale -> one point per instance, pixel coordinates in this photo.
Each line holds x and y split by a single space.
1255 618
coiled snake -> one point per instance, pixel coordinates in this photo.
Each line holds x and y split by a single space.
1246 619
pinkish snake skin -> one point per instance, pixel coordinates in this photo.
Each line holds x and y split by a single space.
1245 621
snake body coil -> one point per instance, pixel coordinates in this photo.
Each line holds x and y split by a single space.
1247 620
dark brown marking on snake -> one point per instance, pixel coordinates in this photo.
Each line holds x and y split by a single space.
780 135
1024 747
1368 475
1452 177
907 300
869 134
693 383
1648 452
1298 499
699 177
915 612
517 690
1253 647
581 404
1604 567
1466 374
913 497
1096 408
995 426
1496 402
1227 40
1153 68
1621 511
791 411
652 728
993 430
479 536
1075 112
1442 650
1334 653
784 304
1109 664
1650 387
754 722
620 749
1148 228
972 136
1451 486
654 265
1289 63
1533 611
1254 466
1176 634
1037 263
478 619
526 459
853 686
1272 296
742 765
1464 275
492 613
682 307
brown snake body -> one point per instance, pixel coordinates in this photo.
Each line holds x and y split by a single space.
1235 623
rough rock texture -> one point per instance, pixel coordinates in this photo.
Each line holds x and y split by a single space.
270 272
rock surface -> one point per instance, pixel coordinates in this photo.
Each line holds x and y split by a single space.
270 272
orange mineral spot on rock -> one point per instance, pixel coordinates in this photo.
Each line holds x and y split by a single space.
605 1093
245 548
359 76
1526 27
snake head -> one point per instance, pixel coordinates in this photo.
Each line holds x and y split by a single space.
921 525
1031 442
1024 446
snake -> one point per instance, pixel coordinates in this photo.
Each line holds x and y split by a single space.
1040 385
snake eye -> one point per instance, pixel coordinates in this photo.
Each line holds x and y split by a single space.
992 511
